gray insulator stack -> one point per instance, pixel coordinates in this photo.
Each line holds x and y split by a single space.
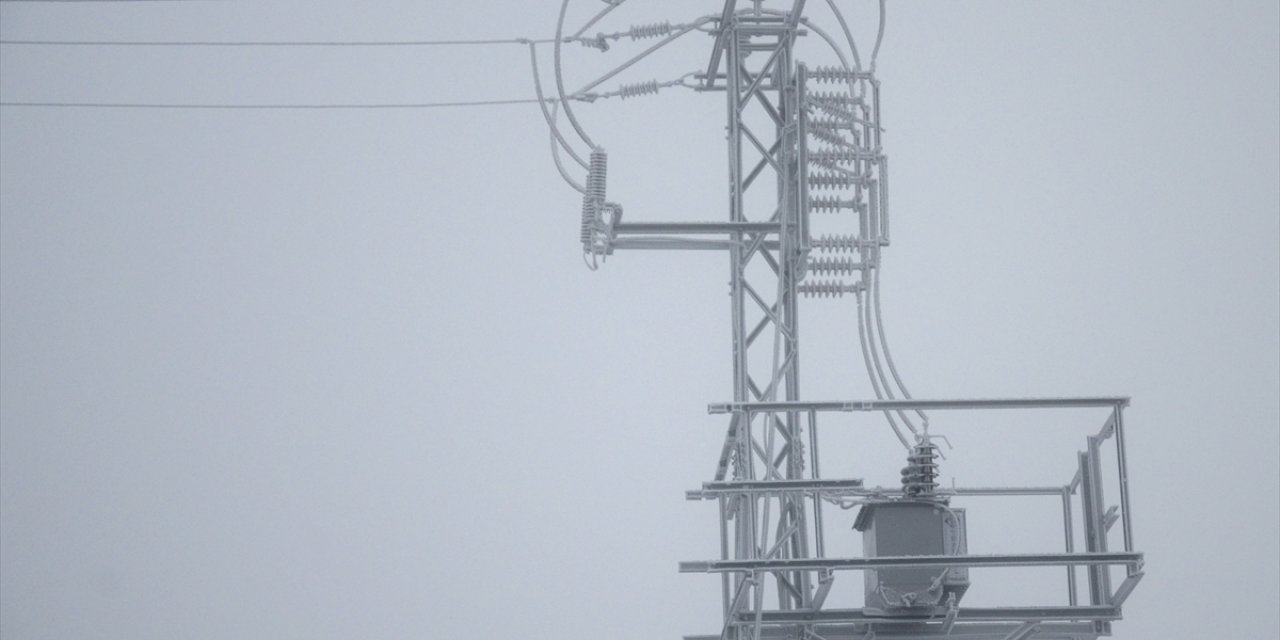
836 74
826 289
652 30
830 136
831 204
834 180
835 243
833 97
828 124
593 200
920 476
638 89
834 266
846 155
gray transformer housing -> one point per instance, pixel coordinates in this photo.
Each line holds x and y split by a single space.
912 528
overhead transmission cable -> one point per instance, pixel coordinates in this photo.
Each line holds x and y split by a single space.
272 43
266 106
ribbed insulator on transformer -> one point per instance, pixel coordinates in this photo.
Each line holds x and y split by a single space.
835 74
830 204
594 198
652 30
826 289
835 243
638 89
834 180
847 155
920 476
834 266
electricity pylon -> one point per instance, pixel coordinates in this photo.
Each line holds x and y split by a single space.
805 154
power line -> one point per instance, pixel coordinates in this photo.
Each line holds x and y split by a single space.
159 105
270 43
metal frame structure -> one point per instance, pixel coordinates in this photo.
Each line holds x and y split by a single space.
1075 621
787 139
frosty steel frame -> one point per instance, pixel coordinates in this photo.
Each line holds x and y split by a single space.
1075 621
766 248
767 483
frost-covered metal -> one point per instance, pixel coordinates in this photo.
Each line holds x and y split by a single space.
808 217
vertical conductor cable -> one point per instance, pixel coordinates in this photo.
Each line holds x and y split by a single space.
551 122
884 344
853 48
568 110
844 62
875 358
555 152
879 37
866 358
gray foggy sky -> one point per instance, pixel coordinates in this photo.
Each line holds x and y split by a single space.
339 374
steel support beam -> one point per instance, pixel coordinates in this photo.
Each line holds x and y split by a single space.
892 405
889 562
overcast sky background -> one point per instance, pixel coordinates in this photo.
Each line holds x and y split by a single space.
339 374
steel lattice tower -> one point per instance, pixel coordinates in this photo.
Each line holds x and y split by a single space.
805 144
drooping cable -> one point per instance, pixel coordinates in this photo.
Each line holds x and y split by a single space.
271 43
318 106
555 130
844 26
888 357
844 62
875 386
867 321
568 110
555 151
875 52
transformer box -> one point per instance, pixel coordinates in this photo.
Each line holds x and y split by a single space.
912 528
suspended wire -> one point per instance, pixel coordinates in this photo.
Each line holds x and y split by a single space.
875 356
853 48
319 106
568 110
888 357
875 386
879 37
555 130
270 43
555 152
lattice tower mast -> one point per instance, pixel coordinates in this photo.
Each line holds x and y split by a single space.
792 152
805 155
